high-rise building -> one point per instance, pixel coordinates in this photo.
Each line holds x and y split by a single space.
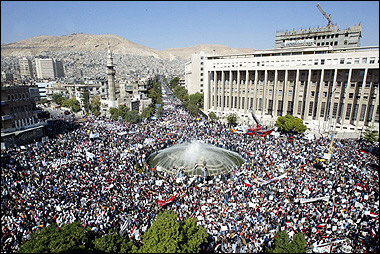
194 73
59 70
26 70
330 35
45 68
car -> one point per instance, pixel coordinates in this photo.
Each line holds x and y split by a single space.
67 112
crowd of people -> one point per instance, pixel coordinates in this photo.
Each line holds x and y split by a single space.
98 174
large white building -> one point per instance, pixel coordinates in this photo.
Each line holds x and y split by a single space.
329 88
195 73
48 68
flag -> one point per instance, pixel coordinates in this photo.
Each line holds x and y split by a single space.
373 214
164 202
247 184
321 225
373 232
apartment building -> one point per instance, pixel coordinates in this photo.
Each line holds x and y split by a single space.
195 73
338 87
26 69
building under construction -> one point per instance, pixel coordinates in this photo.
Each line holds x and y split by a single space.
330 35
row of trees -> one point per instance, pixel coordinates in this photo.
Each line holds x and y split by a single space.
89 106
166 234
193 103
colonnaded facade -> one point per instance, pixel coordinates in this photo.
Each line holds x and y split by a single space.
328 87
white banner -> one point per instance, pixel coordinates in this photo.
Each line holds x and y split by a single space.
306 200
273 179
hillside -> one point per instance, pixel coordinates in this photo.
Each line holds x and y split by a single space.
88 42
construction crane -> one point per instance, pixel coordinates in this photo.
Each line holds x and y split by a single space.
328 17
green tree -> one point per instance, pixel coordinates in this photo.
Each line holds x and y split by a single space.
371 135
58 98
69 238
197 99
212 116
290 124
86 101
299 243
114 243
282 243
232 119
72 103
174 82
166 234
148 112
181 93
132 116
95 105
193 109
119 111
42 101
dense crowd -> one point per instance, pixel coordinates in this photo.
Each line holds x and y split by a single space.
104 182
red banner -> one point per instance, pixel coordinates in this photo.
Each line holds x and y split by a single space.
164 202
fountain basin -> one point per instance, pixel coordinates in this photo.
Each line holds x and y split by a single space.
185 155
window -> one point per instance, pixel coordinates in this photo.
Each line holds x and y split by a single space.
341 61
371 60
280 92
353 84
312 93
290 92
324 94
315 61
349 60
364 60
362 113
311 108
322 61
299 107
348 111
323 109
351 95
356 61
270 92
335 109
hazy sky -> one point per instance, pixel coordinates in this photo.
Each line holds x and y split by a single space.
177 24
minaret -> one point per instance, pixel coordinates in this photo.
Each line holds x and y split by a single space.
111 76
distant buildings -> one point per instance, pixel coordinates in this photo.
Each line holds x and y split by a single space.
325 36
19 115
48 68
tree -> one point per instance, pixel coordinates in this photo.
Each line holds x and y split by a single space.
119 111
132 116
166 234
148 112
114 243
197 99
232 119
72 103
290 124
69 238
86 101
58 98
282 243
192 108
174 82
371 135
95 105
299 243
181 93
42 101
212 116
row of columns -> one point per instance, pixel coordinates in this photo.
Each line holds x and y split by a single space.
218 104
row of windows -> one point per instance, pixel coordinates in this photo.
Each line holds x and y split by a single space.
309 62
18 96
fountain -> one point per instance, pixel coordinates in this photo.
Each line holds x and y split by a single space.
193 157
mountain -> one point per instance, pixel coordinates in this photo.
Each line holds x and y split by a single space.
185 53
119 45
